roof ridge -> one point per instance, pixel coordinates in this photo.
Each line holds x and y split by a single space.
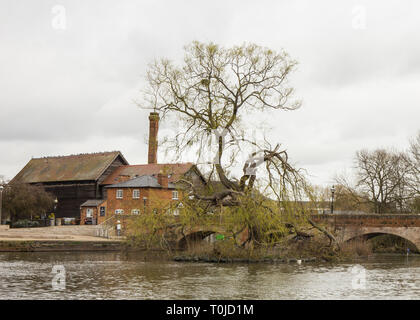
154 164
77 155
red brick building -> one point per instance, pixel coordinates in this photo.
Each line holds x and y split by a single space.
137 189
141 195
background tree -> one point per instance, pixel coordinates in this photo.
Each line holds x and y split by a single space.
414 178
414 158
382 177
348 198
24 201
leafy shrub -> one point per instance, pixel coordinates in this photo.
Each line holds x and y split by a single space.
25 223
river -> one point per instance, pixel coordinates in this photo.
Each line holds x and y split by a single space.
110 275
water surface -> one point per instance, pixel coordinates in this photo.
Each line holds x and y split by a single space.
27 275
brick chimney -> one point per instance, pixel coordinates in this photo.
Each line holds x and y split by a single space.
163 179
153 140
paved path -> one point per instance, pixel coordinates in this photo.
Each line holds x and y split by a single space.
65 233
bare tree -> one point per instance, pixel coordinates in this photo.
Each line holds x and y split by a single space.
383 177
212 92
414 178
415 162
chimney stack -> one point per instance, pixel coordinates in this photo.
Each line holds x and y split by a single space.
153 140
163 179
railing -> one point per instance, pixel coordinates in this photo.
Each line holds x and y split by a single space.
107 228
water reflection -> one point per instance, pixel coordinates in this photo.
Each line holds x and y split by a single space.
132 276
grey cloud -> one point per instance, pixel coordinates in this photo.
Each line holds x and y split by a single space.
71 91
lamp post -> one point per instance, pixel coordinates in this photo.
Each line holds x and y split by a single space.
55 205
1 201
55 210
332 199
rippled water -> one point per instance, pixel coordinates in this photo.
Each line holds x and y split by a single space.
128 276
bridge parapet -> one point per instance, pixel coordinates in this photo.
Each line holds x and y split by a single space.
370 220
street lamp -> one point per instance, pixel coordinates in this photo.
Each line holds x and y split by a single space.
1 201
332 199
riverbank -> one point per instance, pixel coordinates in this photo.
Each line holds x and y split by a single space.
59 245
315 249
56 238
208 259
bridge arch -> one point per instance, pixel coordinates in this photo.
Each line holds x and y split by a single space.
198 234
412 236
193 238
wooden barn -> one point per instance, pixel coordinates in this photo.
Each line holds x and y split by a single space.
72 179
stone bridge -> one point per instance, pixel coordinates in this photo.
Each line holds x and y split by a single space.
352 226
346 226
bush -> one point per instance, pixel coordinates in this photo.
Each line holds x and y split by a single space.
25 223
23 201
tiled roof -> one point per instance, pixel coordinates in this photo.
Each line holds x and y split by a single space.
175 170
140 182
88 166
92 203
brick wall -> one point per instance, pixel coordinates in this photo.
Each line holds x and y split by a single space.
371 220
83 212
155 198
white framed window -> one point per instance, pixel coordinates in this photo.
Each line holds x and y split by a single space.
119 194
119 211
136 194
135 211
174 195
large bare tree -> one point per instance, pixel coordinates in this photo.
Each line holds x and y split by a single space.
213 95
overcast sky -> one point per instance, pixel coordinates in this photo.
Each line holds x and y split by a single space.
69 87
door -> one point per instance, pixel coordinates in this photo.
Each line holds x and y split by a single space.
89 213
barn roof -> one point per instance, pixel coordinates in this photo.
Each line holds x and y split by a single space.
174 170
88 166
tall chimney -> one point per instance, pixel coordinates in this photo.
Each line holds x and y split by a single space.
153 140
